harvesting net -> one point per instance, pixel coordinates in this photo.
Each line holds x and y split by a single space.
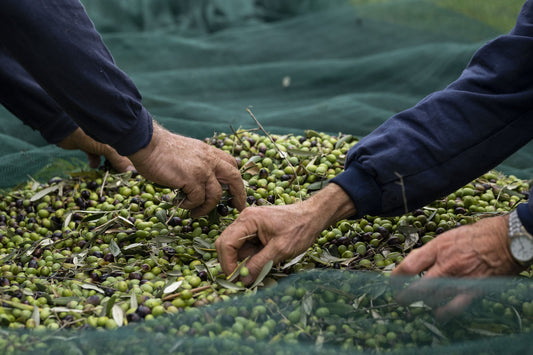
78 280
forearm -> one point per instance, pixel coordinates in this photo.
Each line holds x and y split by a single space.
452 136
75 68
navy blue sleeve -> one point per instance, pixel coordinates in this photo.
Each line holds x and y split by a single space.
57 44
23 97
452 136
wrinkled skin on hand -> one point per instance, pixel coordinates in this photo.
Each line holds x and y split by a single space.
477 250
278 233
193 166
94 150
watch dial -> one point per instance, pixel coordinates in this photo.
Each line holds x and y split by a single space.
522 248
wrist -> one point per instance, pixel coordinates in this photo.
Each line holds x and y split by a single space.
144 154
330 205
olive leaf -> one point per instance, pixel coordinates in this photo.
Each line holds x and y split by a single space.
118 315
307 303
65 309
434 329
133 300
229 285
300 152
411 236
309 133
237 270
317 185
294 261
263 273
201 243
36 315
92 287
45 191
161 216
114 248
61 301
93 216
109 305
172 287
346 139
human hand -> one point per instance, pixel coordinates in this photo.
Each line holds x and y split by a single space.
279 232
193 166
477 250
94 150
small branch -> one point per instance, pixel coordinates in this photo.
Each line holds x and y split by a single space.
403 191
194 290
281 154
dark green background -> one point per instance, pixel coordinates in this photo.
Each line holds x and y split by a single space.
352 64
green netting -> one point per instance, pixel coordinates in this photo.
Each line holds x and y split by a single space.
318 312
331 66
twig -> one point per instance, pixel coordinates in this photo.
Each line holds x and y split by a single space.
194 290
248 236
403 190
103 183
281 154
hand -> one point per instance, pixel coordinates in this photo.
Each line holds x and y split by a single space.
279 232
193 166
477 250
79 140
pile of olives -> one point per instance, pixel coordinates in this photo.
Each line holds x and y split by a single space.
101 250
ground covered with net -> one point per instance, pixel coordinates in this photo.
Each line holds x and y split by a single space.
93 261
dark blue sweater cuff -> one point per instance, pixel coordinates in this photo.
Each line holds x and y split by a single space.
525 215
138 137
362 189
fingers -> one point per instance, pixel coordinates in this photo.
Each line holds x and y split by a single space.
258 261
232 240
417 261
228 174
213 193
120 163
455 307
94 160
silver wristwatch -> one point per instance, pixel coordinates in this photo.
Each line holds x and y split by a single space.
520 241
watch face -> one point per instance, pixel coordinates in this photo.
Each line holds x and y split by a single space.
522 247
